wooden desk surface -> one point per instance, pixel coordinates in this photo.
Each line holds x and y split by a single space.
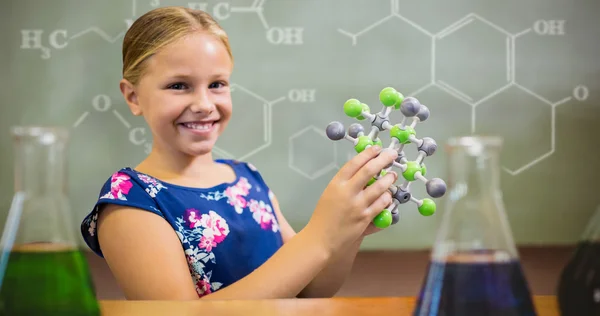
545 305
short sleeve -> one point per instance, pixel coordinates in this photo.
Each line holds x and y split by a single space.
122 188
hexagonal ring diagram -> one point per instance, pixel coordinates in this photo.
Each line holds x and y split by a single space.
459 73
311 153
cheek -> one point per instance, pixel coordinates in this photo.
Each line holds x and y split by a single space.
163 109
225 104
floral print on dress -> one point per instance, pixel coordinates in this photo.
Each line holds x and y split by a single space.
263 215
213 196
120 187
203 285
200 233
154 186
92 224
215 229
120 184
237 194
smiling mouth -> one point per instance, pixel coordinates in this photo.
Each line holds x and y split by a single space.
199 126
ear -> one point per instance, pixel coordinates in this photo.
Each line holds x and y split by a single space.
130 95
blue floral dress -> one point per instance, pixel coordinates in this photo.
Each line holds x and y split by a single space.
226 231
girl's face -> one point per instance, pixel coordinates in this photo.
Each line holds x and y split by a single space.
184 94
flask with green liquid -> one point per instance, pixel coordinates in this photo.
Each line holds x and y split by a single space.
42 270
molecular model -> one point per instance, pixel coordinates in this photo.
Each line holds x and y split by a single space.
400 134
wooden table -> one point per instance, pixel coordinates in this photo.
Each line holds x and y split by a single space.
545 305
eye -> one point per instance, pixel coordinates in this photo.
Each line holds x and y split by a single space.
216 85
178 86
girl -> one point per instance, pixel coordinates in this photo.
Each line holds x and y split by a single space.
181 225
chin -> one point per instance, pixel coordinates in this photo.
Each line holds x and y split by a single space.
198 149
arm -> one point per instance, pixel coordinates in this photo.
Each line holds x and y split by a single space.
148 262
332 277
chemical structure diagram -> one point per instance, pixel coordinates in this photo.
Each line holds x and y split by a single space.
59 38
540 27
31 39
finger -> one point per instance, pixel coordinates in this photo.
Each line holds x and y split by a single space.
357 162
379 187
373 167
382 202
371 229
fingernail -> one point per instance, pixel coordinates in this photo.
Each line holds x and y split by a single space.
391 151
376 148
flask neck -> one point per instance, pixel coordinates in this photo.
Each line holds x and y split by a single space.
474 170
40 212
40 160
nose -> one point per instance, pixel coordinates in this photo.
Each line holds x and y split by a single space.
202 104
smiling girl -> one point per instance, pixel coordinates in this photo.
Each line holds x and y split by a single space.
181 225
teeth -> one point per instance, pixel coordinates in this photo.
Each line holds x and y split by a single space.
201 127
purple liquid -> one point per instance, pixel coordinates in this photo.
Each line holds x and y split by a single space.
463 287
579 284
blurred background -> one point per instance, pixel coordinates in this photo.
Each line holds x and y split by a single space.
525 71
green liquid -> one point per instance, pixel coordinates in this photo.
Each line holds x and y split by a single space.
47 279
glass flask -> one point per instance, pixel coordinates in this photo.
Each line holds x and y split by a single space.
42 270
579 283
474 267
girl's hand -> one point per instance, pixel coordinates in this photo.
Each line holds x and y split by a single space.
347 206
371 229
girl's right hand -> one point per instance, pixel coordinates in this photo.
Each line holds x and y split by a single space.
347 206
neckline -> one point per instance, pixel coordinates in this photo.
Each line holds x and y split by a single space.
219 186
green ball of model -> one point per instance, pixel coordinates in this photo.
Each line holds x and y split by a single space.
412 167
372 180
378 142
427 208
365 108
402 135
383 220
353 107
363 142
390 97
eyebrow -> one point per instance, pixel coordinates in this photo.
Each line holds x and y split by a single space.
189 76
178 76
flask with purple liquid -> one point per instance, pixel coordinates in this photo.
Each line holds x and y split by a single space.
474 267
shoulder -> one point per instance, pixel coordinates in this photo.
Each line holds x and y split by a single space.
239 164
126 183
125 188
242 168
247 170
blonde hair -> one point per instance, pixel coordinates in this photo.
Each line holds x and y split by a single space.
160 27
